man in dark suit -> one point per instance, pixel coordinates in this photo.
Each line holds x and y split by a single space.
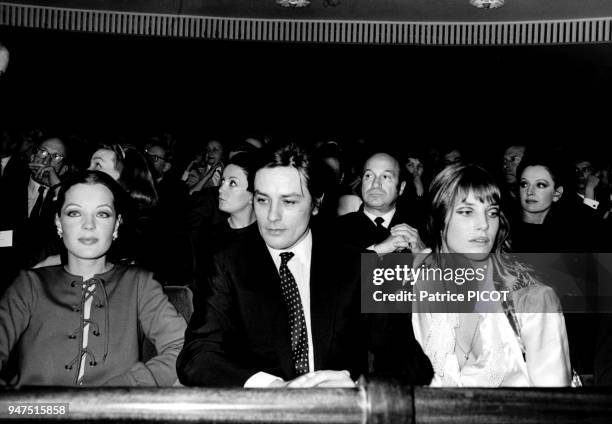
28 192
379 225
283 309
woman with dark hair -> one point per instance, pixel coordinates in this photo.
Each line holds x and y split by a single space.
236 200
547 222
79 323
519 340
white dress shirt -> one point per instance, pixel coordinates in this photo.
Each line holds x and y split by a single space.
592 203
299 265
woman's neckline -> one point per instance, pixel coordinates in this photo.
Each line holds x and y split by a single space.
108 271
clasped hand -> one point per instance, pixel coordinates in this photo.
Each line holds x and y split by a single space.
403 236
45 174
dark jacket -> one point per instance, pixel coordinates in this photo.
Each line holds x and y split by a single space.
242 327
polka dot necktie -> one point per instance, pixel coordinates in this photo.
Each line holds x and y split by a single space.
297 322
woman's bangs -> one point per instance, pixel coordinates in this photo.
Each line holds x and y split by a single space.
483 189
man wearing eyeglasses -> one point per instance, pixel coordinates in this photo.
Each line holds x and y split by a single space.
47 165
26 223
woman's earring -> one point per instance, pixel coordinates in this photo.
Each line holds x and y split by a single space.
115 235
60 233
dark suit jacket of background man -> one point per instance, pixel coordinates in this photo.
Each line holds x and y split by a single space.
30 235
242 327
358 231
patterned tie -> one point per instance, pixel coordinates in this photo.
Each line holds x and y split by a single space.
39 202
297 322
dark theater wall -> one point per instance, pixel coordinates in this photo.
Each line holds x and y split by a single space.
476 95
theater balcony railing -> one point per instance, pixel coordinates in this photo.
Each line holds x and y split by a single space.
375 402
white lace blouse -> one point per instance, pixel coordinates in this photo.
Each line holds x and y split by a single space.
501 362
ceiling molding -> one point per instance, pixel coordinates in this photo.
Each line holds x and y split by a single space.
570 31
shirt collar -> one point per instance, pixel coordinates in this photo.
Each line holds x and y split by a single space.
301 251
33 186
387 217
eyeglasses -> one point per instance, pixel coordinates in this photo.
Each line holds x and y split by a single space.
154 158
44 154
583 169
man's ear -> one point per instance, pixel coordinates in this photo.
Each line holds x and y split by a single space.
317 204
558 193
401 188
167 167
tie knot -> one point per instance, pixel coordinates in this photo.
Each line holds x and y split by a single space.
286 257
41 189
379 221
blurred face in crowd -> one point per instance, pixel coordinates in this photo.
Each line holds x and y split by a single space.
106 161
233 194
414 167
88 220
471 227
583 170
283 206
49 154
7 144
452 157
4 59
157 155
214 152
512 159
537 190
334 164
380 185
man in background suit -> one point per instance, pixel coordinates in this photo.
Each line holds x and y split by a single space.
283 309
28 192
379 225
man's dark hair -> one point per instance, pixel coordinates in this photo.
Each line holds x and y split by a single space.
310 170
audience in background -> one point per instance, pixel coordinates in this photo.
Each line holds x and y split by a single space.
589 191
206 169
176 235
380 225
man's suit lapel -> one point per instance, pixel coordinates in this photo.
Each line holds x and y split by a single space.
323 299
263 274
